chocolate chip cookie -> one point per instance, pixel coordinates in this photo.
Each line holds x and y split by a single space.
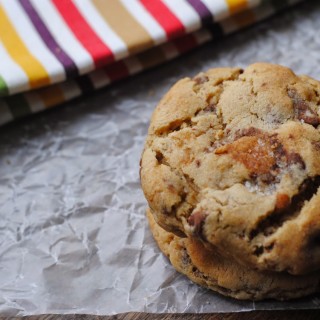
232 158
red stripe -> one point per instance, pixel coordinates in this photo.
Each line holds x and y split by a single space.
117 70
186 43
101 54
169 22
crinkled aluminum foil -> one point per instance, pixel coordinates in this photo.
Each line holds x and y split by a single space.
73 234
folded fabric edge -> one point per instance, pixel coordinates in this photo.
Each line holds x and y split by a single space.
35 51
89 37
23 104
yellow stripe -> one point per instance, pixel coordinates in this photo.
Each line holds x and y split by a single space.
20 54
51 96
237 5
124 24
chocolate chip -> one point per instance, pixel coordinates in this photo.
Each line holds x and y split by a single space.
316 145
269 247
314 240
282 201
269 177
200 79
198 163
295 158
302 110
196 220
241 235
247 132
211 108
165 211
258 251
159 157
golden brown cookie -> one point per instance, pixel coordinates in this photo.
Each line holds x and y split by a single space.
211 270
233 157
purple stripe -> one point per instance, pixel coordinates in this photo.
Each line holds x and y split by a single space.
202 10
69 66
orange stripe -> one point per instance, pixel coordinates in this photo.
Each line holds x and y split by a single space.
124 24
51 96
36 73
237 5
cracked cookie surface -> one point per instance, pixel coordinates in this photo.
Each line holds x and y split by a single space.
211 270
232 157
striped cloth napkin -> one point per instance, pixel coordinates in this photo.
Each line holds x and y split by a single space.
54 50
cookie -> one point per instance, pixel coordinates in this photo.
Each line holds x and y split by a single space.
233 157
210 270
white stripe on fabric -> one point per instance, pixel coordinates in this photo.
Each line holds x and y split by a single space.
170 50
218 8
12 74
102 29
70 90
185 13
30 37
146 20
99 78
5 113
63 35
34 101
133 65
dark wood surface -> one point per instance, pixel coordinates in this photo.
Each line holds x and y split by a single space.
255 315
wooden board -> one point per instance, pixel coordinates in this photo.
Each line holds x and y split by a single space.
256 315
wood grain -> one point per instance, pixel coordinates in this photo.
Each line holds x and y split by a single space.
255 315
